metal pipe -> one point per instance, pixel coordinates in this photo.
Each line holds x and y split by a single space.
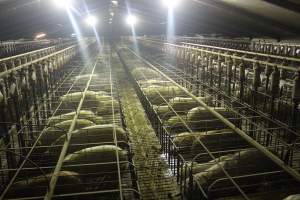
245 52
241 58
28 53
35 61
114 129
63 152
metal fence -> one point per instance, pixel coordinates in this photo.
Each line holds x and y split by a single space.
209 152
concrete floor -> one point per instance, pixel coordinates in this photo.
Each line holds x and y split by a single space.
152 171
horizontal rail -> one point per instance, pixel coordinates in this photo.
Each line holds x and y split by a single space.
27 53
249 41
241 58
245 52
78 194
63 152
34 61
24 42
217 39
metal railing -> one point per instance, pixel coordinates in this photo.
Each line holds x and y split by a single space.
267 87
179 156
286 49
93 184
12 48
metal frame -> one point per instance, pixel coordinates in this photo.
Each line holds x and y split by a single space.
28 122
286 49
126 180
176 160
209 83
240 75
12 48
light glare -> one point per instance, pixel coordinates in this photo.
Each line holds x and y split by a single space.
131 20
171 3
114 3
40 36
63 3
91 20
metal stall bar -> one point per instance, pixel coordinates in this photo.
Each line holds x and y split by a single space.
153 119
77 194
63 153
283 48
189 76
185 124
295 159
277 48
44 50
178 73
121 183
7 72
36 97
151 114
53 94
254 143
246 53
12 48
288 95
154 123
278 124
243 44
16 47
30 151
265 57
262 63
114 128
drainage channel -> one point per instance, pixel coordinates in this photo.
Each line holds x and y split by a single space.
155 179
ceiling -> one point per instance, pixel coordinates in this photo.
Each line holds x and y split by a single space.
239 18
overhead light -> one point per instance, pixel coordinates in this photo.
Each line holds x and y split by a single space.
114 3
171 3
40 36
63 3
91 20
131 20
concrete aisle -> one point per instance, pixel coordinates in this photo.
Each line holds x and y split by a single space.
152 171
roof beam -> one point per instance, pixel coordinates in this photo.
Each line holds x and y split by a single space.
256 18
285 4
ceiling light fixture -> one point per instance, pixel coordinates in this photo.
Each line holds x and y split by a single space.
114 3
91 20
131 20
171 3
63 3
40 36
